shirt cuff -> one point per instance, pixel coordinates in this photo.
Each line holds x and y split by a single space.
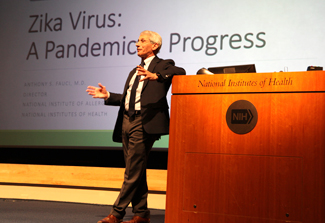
108 95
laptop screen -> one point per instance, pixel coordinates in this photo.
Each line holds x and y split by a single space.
248 68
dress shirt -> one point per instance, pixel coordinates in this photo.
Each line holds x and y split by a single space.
139 89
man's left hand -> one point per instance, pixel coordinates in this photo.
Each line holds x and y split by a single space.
147 74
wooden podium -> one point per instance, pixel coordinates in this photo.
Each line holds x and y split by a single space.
273 172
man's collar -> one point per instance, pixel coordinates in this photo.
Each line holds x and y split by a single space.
149 59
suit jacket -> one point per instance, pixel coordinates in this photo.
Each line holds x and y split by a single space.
154 106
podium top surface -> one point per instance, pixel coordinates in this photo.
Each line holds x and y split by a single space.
307 81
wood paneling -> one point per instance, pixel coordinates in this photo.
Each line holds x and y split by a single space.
96 177
265 187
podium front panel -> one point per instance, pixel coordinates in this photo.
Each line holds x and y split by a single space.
273 173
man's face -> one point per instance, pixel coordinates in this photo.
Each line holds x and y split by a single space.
144 47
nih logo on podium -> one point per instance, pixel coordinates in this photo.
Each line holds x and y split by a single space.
241 117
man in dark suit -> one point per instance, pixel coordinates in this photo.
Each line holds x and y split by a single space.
143 117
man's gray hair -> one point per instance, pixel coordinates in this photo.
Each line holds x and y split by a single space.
154 38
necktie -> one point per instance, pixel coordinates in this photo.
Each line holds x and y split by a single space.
133 93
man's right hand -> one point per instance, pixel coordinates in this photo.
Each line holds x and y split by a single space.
98 92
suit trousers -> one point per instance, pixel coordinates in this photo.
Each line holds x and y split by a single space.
136 145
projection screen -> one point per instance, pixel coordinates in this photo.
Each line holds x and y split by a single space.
52 50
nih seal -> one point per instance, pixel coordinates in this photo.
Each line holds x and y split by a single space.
241 117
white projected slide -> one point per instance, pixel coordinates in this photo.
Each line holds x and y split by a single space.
52 50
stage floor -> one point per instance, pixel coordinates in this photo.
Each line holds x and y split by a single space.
31 211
